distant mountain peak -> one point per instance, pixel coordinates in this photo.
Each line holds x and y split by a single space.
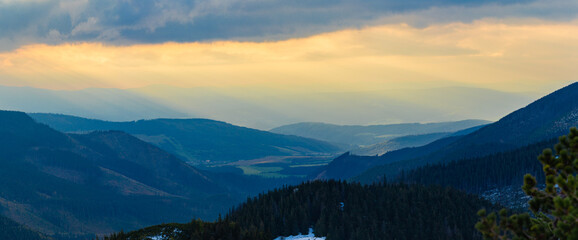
547 117
544 119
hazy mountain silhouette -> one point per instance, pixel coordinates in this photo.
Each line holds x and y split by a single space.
348 165
408 141
199 140
544 119
102 103
267 108
357 135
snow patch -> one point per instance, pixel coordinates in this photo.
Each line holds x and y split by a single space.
162 235
309 236
158 237
509 196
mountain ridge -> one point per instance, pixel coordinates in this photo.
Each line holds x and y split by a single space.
198 141
75 185
371 134
261 109
548 117
408 142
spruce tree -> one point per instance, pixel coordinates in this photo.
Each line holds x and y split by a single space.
554 208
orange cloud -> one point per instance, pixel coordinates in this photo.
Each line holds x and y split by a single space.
512 56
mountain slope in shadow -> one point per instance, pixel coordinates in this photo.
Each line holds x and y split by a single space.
76 184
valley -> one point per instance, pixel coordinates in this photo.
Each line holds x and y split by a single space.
75 179
288 120
72 178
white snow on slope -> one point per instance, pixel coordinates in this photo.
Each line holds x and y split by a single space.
162 235
309 236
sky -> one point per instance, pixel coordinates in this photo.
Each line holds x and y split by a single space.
248 48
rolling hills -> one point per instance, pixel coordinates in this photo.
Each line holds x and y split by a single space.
199 141
101 177
75 185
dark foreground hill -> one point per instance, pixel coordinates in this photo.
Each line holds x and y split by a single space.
544 119
481 174
13 231
199 141
77 184
497 177
339 210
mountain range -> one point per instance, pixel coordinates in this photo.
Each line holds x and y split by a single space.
544 119
265 108
199 141
68 185
357 135
72 178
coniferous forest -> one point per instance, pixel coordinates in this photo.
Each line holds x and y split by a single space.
483 173
339 210
14 231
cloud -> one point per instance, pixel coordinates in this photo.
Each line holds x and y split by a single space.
125 22
505 55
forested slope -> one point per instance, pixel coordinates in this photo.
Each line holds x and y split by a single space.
484 173
75 185
198 141
544 119
340 210
10 230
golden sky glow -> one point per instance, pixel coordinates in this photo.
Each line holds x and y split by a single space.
505 55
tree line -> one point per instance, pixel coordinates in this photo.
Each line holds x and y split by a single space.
480 174
339 210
